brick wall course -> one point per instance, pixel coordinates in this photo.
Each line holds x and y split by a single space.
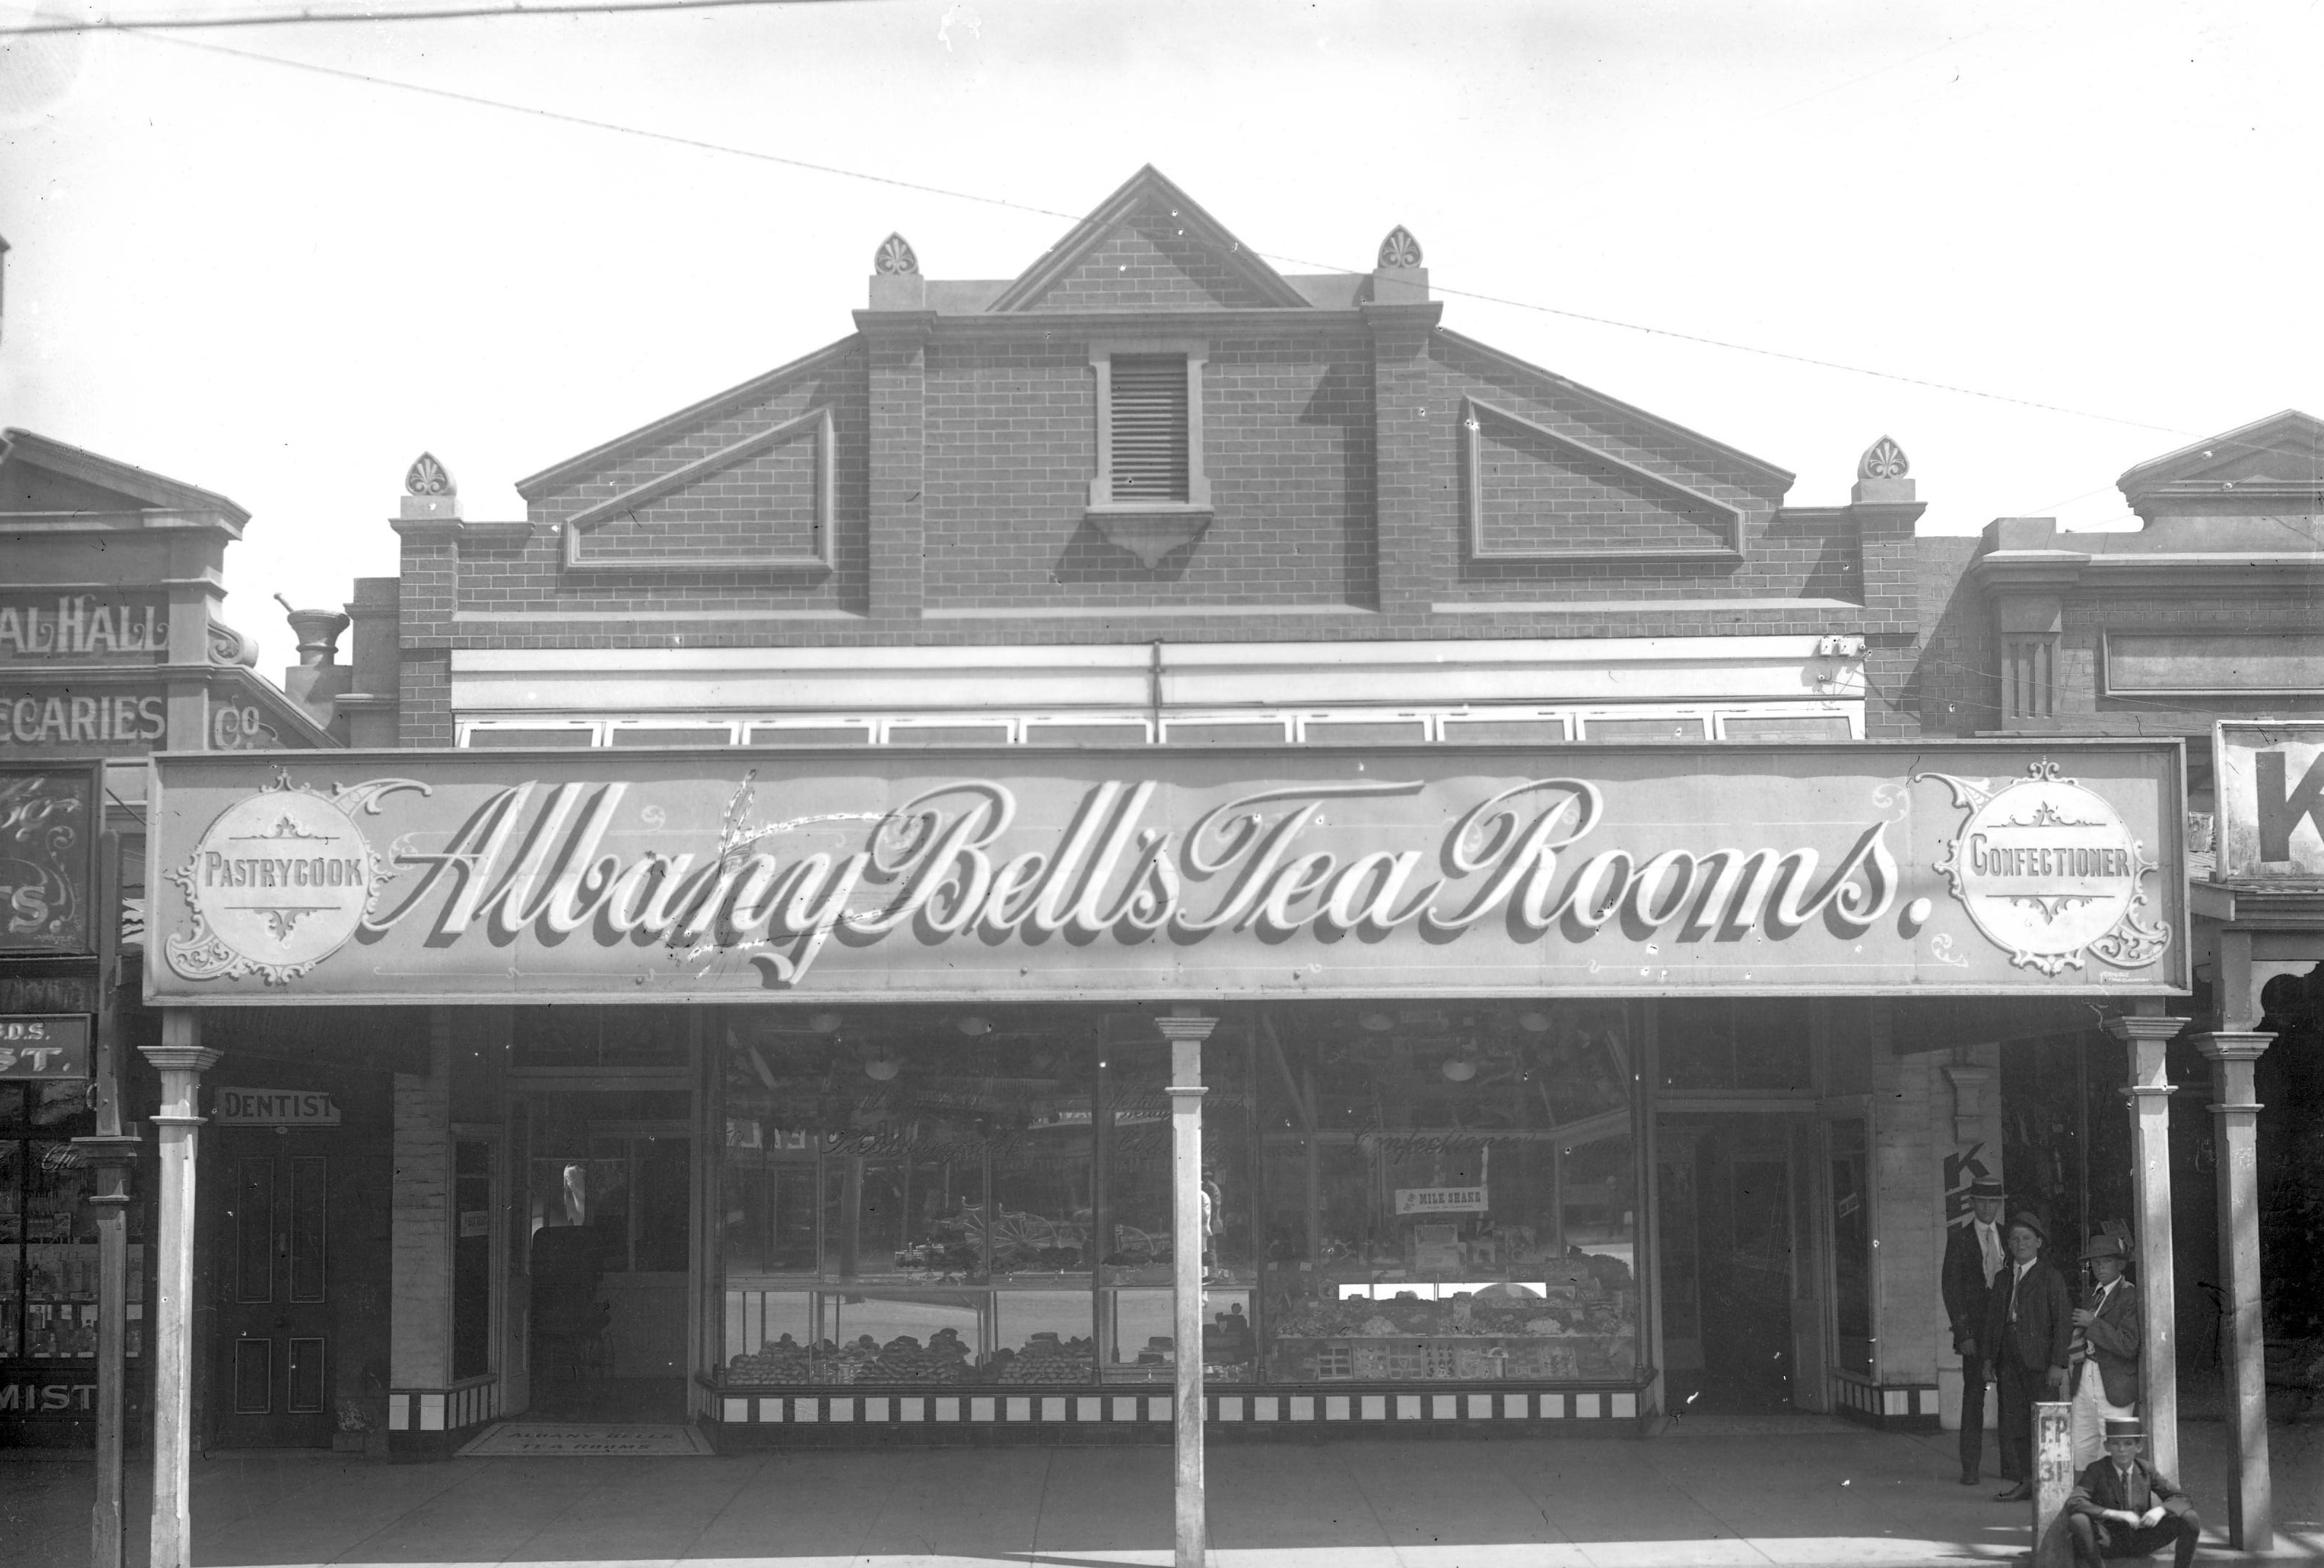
1954 680
1012 445
1802 555
502 574
1302 460
1149 264
424 698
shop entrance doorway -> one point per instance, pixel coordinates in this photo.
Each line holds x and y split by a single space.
607 1178
1741 1310
274 1313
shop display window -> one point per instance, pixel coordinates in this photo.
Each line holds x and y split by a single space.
48 1230
1136 1335
1448 1192
1453 1195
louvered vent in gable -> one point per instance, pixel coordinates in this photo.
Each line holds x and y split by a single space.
1149 495
1149 455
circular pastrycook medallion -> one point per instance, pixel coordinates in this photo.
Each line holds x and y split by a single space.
278 883
2048 870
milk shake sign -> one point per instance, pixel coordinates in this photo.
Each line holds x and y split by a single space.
740 875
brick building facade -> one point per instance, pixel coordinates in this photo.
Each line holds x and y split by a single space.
1152 500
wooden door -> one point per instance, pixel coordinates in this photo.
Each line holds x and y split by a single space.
274 1374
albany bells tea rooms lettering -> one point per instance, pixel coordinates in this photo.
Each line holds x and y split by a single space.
1470 873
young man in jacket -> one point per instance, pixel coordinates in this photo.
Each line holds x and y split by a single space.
2103 1359
1974 1257
2122 1506
2028 1328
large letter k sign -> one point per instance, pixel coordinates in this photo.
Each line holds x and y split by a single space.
2280 812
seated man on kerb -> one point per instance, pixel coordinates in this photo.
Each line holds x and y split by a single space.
2122 1506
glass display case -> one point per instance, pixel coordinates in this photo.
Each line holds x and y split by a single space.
915 1199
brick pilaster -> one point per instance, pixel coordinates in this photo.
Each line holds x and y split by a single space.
420 1224
427 594
1911 1136
896 346
1412 449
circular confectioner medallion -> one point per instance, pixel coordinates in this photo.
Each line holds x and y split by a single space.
2048 870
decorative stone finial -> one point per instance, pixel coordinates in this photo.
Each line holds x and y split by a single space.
429 493
427 476
1400 251
1882 474
1884 459
895 256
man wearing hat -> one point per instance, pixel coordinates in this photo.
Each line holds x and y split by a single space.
2122 1506
1974 1259
2028 1330
2103 1358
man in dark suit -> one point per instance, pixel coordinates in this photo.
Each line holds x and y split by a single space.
2029 1328
1974 1257
2122 1506
2104 1357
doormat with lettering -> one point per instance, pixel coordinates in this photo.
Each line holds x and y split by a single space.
584 1439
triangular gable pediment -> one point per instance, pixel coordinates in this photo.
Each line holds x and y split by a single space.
1149 246
2279 456
38 475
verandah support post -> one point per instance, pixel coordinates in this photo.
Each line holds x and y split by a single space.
2145 1036
182 1060
1186 1030
112 1154
2251 1511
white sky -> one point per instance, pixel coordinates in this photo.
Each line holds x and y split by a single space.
283 286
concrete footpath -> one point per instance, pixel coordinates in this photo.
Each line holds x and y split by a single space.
1803 1491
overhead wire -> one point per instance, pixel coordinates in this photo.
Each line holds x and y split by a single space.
311 17
697 144
560 117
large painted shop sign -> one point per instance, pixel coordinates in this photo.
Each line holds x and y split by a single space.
2270 778
733 876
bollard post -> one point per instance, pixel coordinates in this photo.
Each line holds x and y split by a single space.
2053 1479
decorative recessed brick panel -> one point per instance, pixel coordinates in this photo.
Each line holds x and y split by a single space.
1536 495
764 501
